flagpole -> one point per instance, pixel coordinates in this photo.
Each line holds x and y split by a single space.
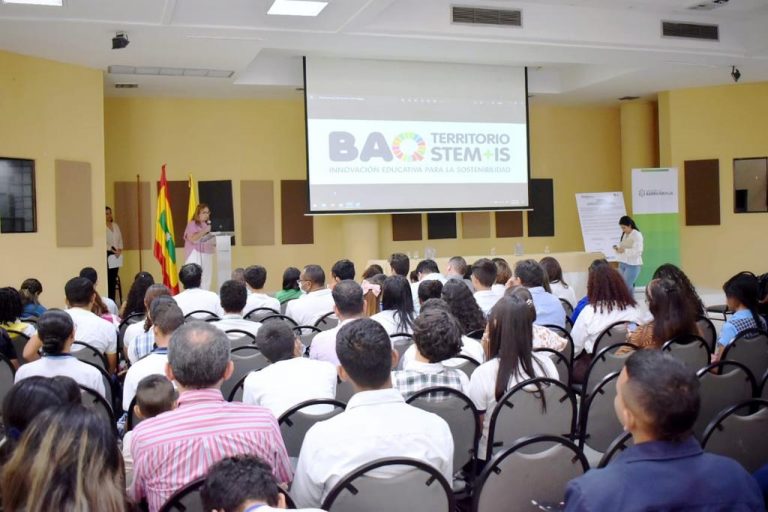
138 218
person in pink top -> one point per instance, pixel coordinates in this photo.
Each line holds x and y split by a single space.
197 249
176 447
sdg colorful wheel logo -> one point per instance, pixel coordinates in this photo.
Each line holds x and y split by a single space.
409 147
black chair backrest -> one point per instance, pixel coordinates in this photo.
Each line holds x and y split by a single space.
738 432
344 391
19 340
186 499
111 387
603 363
458 410
599 425
327 321
419 487
306 334
296 421
401 341
236 394
477 334
257 314
561 363
131 419
203 314
691 349
617 446
7 375
281 317
614 333
93 400
708 331
763 392
567 306
531 475
722 385
246 359
89 354
750 348
240 338
468 365
131 319
564 333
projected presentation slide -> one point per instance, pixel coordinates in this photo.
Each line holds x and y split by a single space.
388 136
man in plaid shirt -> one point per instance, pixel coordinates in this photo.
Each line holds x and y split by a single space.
437 336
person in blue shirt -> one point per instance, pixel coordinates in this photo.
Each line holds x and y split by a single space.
30 298
741 296
549 309
657 401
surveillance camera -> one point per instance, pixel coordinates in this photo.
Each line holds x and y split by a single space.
120 41
735 73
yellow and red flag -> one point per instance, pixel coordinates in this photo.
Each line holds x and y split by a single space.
192 199
165 248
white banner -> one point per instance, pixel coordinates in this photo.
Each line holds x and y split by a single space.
599 214
654 191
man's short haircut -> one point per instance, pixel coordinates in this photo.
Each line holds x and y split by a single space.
315 274
79 291
484 271
233 481
90 274
348 297
430 289
400 263
276 341
530 273
365 352
233 295
191 275
437 304
238 275
437 335
459 264
155 394
427 267
343 269
256 276
198 354
166 314
666 390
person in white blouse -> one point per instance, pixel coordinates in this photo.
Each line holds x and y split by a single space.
397 309
376 423
557 284
609 302
629 252
509 339
114 253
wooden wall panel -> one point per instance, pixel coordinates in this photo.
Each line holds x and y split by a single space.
74 216
702 192
406 226
257 208
133 213
475 225
295 226
509 224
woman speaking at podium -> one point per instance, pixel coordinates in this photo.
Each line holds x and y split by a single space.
629 252
198 246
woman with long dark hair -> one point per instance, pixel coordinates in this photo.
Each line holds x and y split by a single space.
290 289
559 288
397 311
741 295
511 360
673 273
135 301
629 251
609 301
463 306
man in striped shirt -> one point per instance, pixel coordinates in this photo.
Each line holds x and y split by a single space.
179 446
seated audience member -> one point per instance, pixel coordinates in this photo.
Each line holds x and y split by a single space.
100 309
677 276
177 447
673 316
11 310
657 401
341 270
255 279
8 349
144 343
307 309
436 338
291 378
56 331
66 460
609 301
431 289
511 359
557 284
238 275
549 309
290 289
372 293
194 298
233 296
543 337
28 398
93 276
585 299
167 317
468 347
397 312
483 279
141 332
503 274
155 395
464 307
30 292
741 296
371 271
426 270
413 276
134 304
242 484
457 270
399 264
376 423
348 306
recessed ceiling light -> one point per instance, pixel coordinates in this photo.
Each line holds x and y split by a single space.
296 8
51 3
